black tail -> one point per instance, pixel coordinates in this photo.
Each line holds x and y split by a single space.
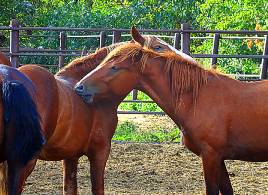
23 133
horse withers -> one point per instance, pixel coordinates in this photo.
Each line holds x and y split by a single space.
220 118
20 132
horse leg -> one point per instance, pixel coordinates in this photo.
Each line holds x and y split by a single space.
225 183
98 156
13 177
69 176
24 174
211 169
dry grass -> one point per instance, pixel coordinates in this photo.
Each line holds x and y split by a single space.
135 168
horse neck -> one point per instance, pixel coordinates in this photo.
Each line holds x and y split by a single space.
80 67
157 85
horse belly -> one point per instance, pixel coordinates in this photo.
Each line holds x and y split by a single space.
249 143
247 154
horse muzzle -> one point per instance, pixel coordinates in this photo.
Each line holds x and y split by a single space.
86 95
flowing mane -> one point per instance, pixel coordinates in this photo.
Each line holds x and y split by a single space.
185 75
79 67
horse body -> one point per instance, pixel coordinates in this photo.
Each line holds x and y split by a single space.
71 127
220 118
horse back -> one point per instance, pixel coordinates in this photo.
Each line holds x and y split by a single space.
4 59
47 96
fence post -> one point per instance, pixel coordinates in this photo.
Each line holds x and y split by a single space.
215 50
62 47
177 40
185 39
14 43
264 60
116 36
134 94
102 39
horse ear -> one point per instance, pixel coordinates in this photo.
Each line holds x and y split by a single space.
138 56
136 36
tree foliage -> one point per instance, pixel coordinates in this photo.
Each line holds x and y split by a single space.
235 15
144 14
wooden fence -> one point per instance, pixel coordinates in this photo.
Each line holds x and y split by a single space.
182 41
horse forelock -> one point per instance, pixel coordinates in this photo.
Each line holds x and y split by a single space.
123 51
149 39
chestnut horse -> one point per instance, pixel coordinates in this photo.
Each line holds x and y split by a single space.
4 59
220 118
72 128
20 131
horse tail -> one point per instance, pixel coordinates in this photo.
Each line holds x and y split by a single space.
23 137
23 133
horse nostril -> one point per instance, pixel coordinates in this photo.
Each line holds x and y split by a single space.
79 88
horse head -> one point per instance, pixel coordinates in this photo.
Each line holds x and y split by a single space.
106 81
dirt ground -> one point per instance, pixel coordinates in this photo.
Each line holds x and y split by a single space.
149 168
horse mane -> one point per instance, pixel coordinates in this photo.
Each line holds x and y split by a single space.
184 75
83 65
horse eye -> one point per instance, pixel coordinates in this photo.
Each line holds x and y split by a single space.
157 48
115 68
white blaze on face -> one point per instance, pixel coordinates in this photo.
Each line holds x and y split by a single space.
179 52
96 69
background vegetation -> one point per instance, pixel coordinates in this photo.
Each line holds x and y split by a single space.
144 14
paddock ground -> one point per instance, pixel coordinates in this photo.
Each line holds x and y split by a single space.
142 168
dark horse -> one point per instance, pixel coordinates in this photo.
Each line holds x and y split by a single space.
20 131
220 118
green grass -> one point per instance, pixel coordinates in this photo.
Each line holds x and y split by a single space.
127 131
140 107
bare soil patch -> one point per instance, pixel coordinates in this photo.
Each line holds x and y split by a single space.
149 168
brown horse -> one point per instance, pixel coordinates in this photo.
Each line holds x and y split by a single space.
221 118
4 59
20 131
71 128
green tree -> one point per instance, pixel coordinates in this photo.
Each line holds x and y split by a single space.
234 15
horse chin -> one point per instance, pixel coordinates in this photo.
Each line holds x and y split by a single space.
87 99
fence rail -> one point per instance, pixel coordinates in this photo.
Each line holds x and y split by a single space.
182 38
